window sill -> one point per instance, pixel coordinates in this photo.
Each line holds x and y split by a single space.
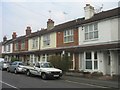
45 46
34 48
91 70
69 42
91 40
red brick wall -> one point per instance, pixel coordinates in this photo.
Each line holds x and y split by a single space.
26 45
60 39
19 46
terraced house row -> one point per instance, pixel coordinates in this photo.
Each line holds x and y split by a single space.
90 41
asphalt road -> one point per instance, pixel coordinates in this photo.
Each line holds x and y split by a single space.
17 81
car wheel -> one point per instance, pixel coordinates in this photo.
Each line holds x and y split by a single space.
43 76
1 69
15 71
8 70
28 73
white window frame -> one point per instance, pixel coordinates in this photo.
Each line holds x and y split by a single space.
34 43
91 29
4 48
86 60
67 35
46 40
16 46
23 45
8 47
44 58
92 61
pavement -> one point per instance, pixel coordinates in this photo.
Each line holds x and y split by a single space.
110 83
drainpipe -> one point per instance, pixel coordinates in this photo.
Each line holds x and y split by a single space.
111 64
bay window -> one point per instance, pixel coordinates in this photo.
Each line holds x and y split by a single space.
91 60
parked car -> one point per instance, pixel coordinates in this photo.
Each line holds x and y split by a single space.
43 69
16 67
3 64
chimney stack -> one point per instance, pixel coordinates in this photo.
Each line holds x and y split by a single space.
4 38
50 24
89 11
14 35
28 30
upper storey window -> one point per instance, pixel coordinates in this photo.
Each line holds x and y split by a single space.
16 46
23 44
91 31
34 43
46 40
68 36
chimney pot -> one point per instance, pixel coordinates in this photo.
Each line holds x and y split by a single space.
4 38
89 11
14 35
28 30
50 24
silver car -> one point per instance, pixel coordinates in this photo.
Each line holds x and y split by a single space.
4 65
16 67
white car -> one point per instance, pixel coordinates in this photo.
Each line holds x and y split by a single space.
43 69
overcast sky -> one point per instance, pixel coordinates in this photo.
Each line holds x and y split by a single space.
16 15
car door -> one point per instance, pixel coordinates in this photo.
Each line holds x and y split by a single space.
12 66
37 67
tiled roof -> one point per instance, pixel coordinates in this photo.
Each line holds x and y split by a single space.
80 21
7 42
103 15
73 24
19 38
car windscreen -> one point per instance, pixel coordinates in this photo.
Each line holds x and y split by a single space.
46 65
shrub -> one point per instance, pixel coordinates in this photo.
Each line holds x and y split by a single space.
62 63
97 74
14 59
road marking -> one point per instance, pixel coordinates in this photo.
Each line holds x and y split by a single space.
86 84
8 84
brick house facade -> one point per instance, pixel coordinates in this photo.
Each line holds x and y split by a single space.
71 38
60 39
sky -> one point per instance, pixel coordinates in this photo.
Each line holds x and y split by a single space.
16 15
